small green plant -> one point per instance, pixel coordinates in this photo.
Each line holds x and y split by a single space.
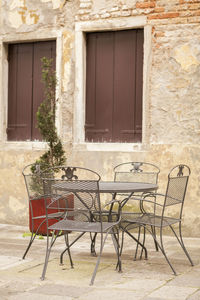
46 115
26 234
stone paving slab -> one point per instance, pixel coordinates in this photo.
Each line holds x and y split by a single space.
150 279
7 262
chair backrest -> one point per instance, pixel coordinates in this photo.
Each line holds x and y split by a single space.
177 185
62 182
33 182
136 172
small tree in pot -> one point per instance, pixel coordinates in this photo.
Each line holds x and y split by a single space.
55 154
46 115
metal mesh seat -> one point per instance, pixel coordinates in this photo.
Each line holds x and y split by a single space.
37 215
85 215
134 172
165 210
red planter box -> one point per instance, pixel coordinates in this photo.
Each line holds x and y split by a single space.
38 207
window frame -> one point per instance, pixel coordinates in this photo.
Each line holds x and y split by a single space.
26 145
80 81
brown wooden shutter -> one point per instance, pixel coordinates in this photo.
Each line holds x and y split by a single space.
25 89
19 92
41 49
114 86
99 86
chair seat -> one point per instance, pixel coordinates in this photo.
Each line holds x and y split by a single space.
149 219
70 225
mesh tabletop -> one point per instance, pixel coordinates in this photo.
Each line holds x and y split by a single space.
110 187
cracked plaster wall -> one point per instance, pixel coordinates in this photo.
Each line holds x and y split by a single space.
173 96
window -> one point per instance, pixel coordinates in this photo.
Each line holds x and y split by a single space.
25 89
114 81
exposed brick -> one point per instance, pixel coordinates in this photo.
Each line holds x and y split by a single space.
94 16
193 20
124 7
115 8
85 18
126 13
158 46
85 5
182 7
186 13
194 6
164 16
159 9
134 12
105 16
83 11
116 14
145 5
192 1
159 34
196 13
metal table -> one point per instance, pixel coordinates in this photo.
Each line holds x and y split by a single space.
110 186
113 187
125 187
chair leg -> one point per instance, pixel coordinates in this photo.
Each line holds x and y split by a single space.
182 243
66 249
33 236
154 232
137 241
29 245
122 243
136 249
48 250
143 242
99 257
115 238
161 247
93 241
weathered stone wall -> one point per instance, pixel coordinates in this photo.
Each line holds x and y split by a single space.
172 124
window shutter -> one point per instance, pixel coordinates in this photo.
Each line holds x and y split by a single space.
25 88
19 92
99 84
124 86
114 86
41 49
139 86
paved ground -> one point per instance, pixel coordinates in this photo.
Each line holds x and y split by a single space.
150 279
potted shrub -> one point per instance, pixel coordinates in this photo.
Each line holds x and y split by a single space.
55 154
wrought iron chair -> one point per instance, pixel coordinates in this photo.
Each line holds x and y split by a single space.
86 215
37 214
165 210
131 172
135 172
